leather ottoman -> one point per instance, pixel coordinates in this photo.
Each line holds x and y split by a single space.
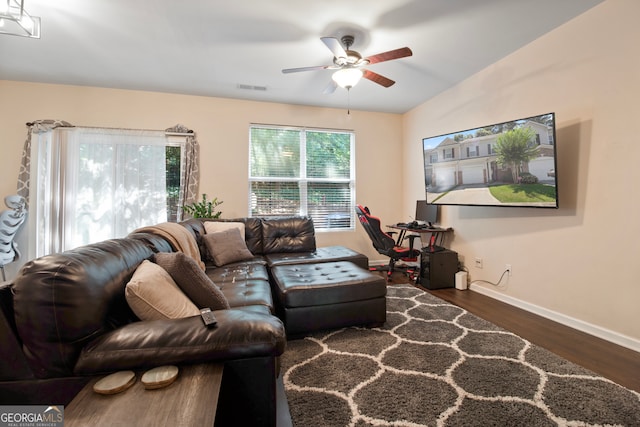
322 254
328 295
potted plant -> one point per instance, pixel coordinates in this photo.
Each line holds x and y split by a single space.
204 208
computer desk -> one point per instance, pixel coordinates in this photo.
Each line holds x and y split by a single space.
439 233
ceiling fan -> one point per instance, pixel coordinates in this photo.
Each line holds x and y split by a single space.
350 63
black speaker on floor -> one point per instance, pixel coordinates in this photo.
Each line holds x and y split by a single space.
438 269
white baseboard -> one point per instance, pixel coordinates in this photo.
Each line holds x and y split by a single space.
588 328
571 322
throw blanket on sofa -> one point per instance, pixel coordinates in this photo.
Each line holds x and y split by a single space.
178 236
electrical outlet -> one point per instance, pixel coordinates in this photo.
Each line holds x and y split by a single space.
478 262
508 268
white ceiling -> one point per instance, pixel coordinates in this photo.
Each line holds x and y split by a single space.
211 47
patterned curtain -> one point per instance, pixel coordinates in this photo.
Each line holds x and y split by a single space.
190 170
38 126
190 166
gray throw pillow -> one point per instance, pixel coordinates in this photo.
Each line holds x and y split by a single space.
227 246
192 280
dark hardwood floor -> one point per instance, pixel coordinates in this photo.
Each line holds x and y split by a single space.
612 361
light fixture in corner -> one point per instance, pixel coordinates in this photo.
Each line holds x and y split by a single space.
15 21
347 77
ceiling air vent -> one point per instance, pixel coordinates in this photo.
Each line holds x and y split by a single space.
251 87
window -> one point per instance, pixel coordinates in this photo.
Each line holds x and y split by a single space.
298 171
473 151
447 154
94 184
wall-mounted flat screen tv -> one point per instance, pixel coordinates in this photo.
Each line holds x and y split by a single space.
504 164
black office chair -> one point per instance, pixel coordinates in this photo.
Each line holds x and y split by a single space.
385 244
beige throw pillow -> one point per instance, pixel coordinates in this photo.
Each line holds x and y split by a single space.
192 280
217 226
153 295
227 246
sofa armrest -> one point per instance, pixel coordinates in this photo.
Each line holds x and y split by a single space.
141 345
14 365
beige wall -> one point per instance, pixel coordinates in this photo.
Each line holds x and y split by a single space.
576 264
222 126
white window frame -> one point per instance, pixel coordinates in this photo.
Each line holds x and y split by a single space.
54 169
303 180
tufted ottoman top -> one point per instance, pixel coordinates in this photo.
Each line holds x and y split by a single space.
322 254
305 285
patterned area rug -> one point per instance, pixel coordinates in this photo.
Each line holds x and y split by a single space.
434 364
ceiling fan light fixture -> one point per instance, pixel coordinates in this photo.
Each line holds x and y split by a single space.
347 77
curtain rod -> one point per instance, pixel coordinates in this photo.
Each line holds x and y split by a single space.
187 133
300 127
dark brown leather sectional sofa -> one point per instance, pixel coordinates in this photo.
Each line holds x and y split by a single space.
65 318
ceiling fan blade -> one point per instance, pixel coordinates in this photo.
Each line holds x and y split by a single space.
377 78
334 46
331 87
317 67
388 56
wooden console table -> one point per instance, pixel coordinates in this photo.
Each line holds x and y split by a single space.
190 401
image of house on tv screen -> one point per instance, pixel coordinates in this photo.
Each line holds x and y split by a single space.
506 164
